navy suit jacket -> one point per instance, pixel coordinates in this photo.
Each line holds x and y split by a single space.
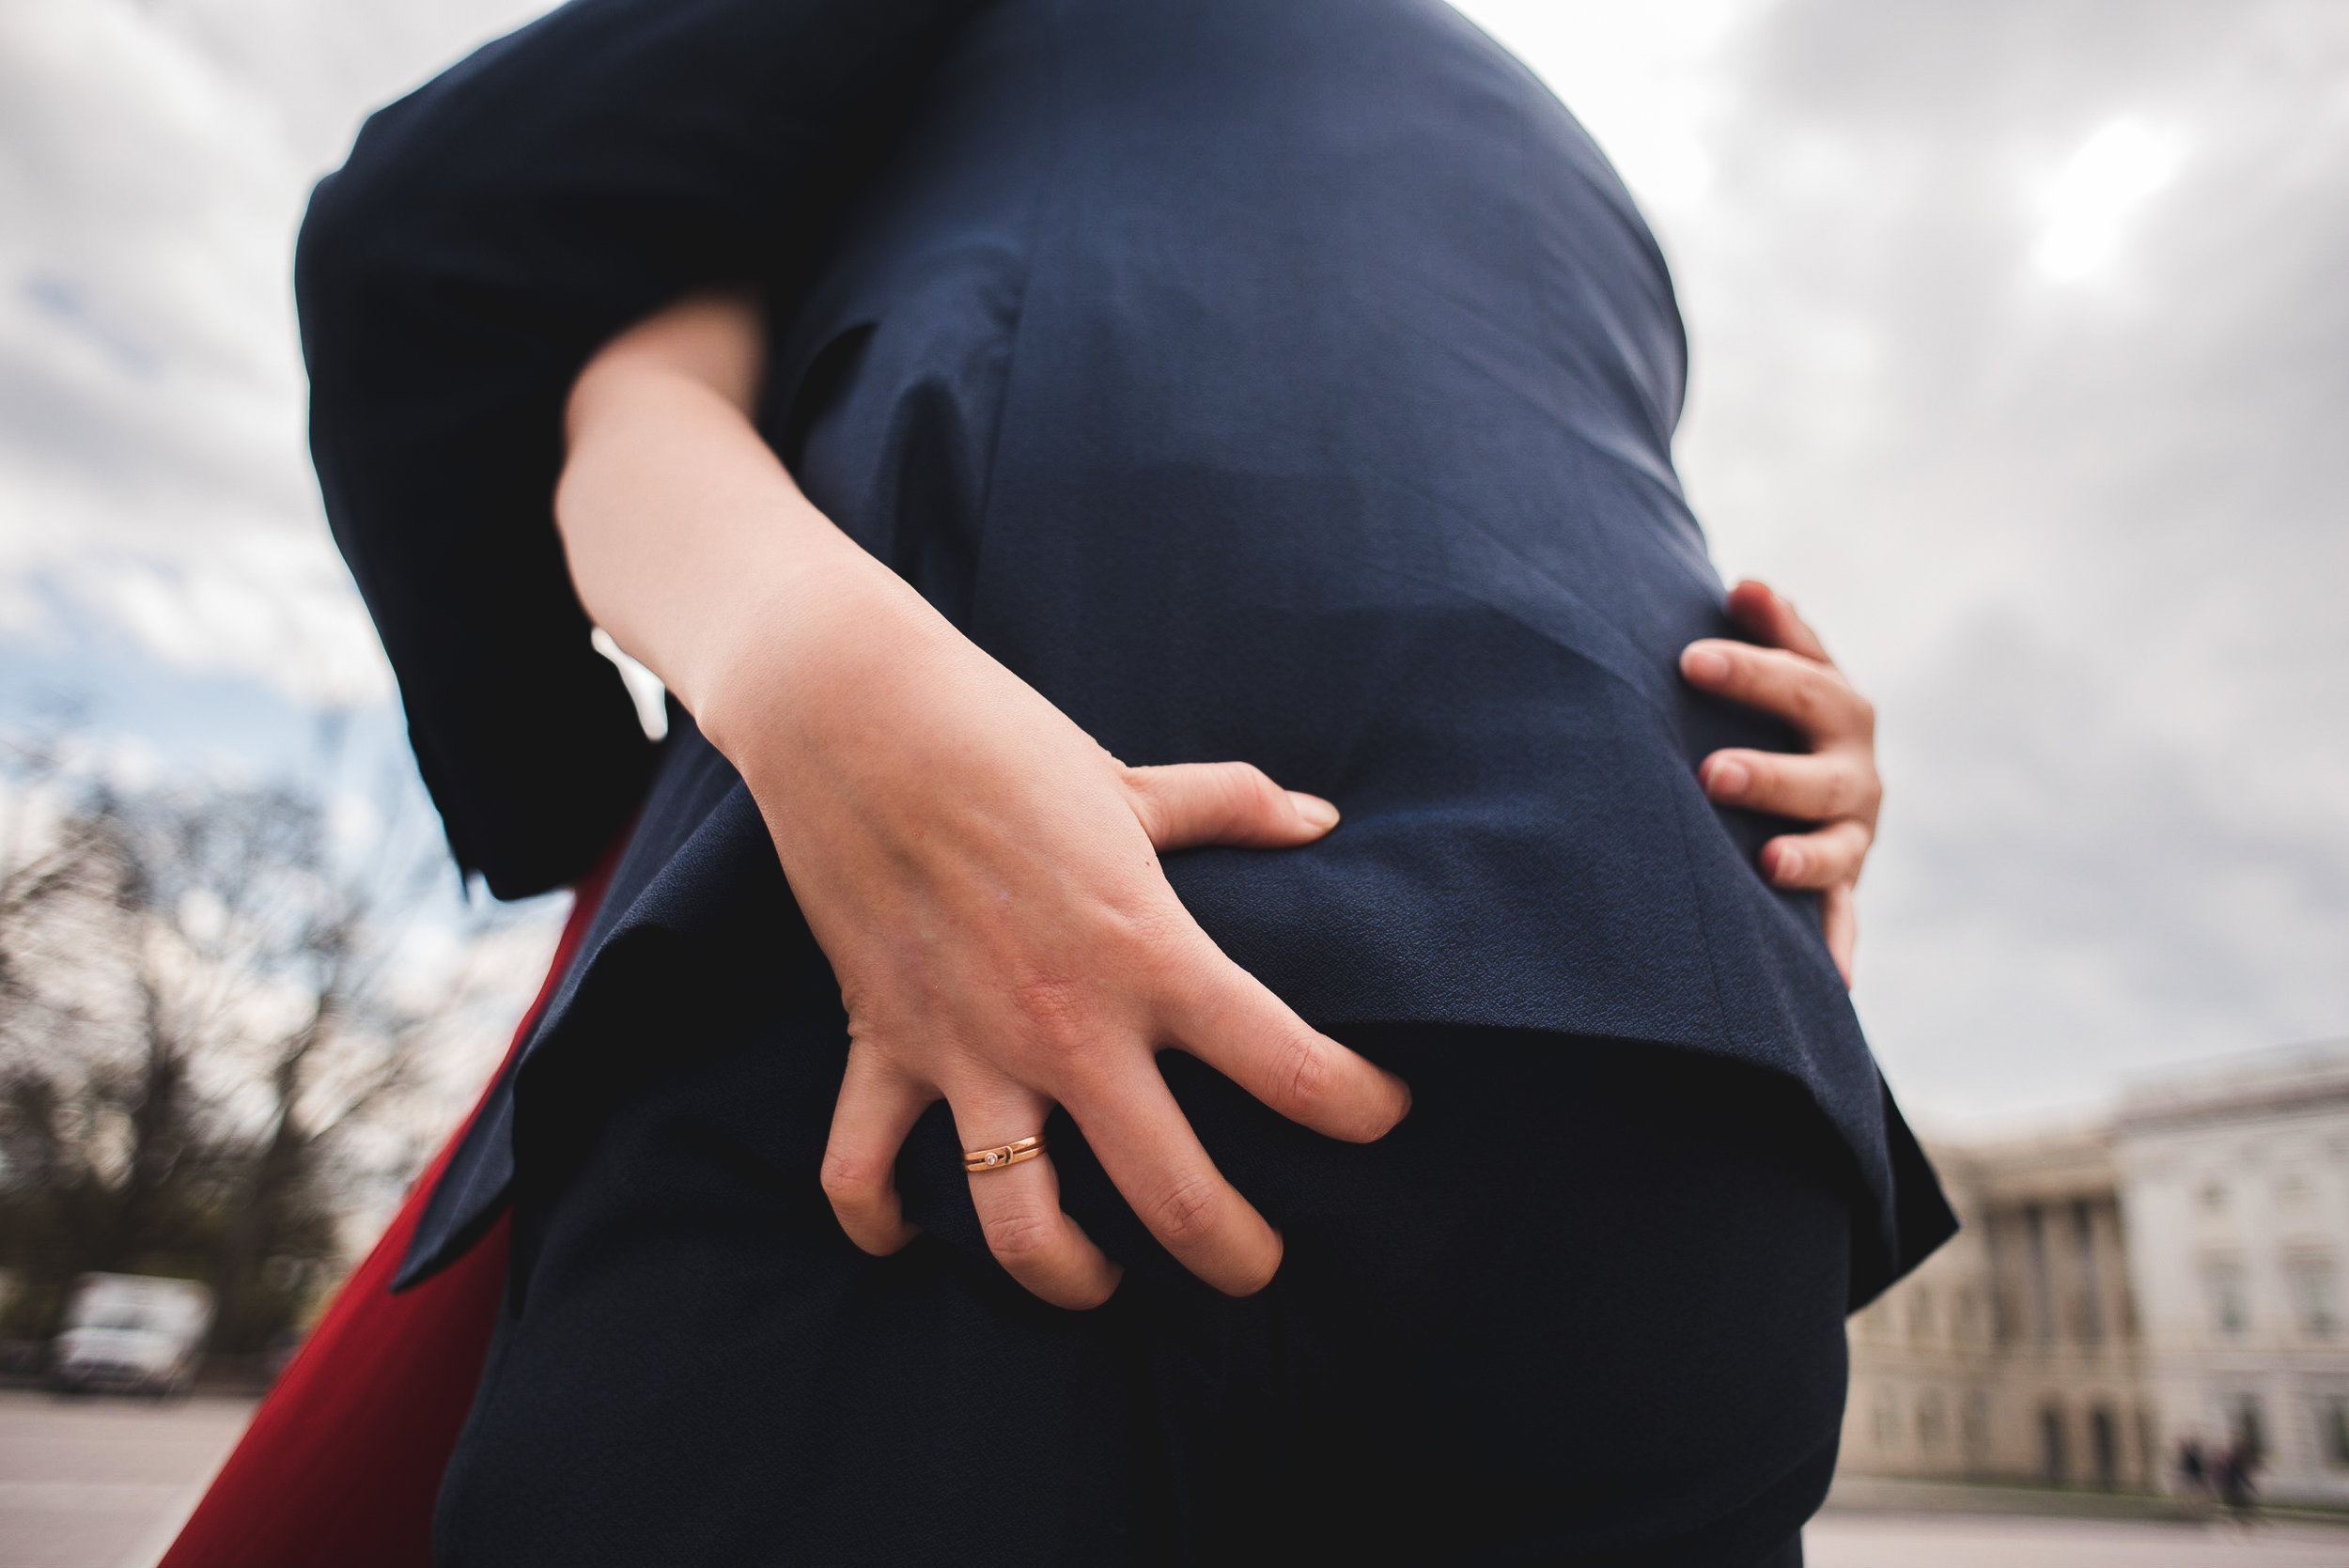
1282 379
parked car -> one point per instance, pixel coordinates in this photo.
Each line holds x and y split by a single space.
132 1334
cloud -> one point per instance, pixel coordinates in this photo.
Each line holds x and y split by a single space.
2020 358
154 160
1646 80
2091 198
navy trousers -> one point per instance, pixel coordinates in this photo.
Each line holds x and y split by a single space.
1583 1307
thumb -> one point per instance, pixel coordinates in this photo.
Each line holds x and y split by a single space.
1194 804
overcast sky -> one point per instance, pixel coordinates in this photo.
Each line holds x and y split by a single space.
2021 353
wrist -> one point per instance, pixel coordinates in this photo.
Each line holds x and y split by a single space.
803 653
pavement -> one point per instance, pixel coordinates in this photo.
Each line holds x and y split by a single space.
106 1483
1840 1540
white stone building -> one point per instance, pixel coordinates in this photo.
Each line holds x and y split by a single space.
2119 1289
2013 1354
2236 1186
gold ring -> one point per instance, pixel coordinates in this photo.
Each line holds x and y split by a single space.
1002 1155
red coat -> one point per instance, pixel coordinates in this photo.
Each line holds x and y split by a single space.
342 1461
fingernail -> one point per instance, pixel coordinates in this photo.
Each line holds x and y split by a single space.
1728 778
1316 811
1706 665
1788 864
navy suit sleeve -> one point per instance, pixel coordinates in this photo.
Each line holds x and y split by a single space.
488 233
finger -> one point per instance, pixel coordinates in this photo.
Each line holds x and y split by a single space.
1230 1020
1757 608
1192 803
1813 697
876 1109
1149 1150
1820 786
1018 1206
1828 857
1839 922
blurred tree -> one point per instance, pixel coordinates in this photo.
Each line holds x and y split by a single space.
209 1046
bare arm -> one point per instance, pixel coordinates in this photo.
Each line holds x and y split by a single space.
687 540
983 877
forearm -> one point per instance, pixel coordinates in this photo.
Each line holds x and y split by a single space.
688 541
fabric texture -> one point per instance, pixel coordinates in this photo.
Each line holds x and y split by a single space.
1583 1307
1281 380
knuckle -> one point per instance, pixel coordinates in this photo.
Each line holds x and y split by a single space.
1239 777
1304 1074
1242 793
1262 793
1018 1234
852 1180
1186 1213
865 1001
1843 796
1808 699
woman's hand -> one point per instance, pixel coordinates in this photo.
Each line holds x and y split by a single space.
985 879
1835 786
982 874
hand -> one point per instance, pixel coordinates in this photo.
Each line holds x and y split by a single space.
982 874
985 879
1835 786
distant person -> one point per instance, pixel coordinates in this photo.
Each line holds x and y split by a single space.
1058 455
2194 1482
